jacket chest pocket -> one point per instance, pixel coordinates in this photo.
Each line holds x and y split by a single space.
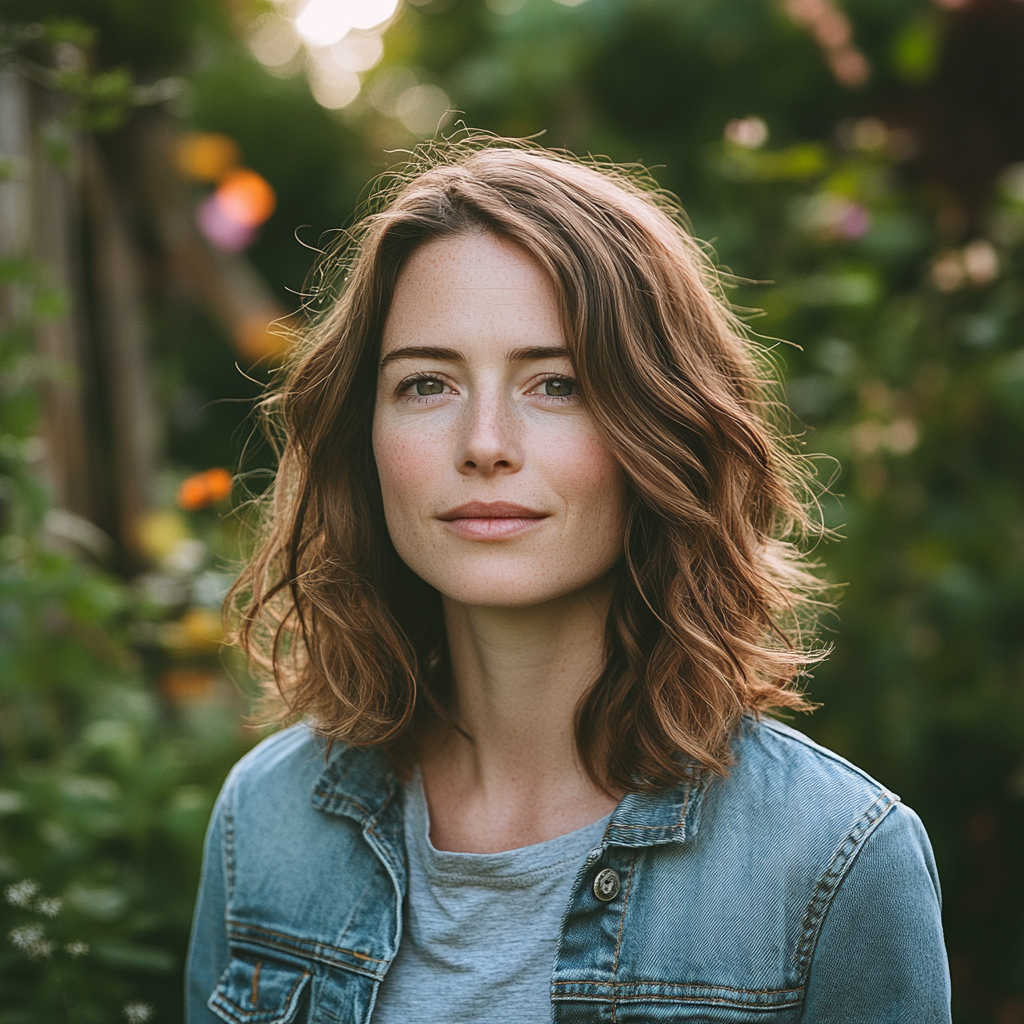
669 1003
257 990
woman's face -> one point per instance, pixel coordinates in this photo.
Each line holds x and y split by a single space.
497 489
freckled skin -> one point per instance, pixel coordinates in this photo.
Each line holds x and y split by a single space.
494 429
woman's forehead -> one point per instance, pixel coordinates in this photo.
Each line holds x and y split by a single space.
474 290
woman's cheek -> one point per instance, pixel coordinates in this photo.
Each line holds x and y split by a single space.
409 469
589 471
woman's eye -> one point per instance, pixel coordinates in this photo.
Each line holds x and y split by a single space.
429 387
559 387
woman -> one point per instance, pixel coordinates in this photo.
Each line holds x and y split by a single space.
529 583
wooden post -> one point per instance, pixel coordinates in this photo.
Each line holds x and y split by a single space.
56 229
15 207
123 349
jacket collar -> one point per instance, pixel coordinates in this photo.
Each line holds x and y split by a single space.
669 815
357 783
360 783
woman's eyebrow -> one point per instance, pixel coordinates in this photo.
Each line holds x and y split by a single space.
447 355
451 355
522 355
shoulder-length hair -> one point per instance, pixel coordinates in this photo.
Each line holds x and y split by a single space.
711 591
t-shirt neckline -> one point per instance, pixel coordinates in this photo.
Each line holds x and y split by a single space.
519 867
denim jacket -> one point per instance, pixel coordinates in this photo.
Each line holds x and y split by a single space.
797 889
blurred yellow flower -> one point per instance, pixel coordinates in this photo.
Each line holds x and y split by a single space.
161 532
198 631
206 156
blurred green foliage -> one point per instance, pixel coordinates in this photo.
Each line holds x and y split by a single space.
106 780
901 305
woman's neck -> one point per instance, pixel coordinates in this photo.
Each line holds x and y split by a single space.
519 675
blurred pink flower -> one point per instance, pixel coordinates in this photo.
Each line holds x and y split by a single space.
223 231
854 221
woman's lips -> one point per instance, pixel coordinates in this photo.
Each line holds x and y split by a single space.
491 520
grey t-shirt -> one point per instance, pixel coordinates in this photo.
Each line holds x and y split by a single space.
481 929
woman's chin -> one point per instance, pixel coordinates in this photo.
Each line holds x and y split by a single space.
516 591
489 594
496 589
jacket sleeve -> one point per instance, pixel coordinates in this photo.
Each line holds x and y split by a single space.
880 957
208 948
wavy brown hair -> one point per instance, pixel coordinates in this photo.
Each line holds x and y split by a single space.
713 598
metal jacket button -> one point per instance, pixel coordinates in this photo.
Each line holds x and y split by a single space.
606 884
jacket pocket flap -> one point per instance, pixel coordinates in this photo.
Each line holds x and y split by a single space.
259 991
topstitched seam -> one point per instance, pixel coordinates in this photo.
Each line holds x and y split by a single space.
348 799
649 828
300 942
677 984
684 1000
685 807
829 882
622 924
228 851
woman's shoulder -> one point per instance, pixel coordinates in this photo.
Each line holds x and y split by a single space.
777 759
296 772
806 816
280 765
796 793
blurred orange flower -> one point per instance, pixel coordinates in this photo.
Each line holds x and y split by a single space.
246 197
262 336
180 684
203 489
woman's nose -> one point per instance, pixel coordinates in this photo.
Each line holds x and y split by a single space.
491 441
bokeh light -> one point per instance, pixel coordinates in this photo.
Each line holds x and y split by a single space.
160 532
341 41
357 51
199 631
749 132
387 86
273 40
203 489
869 134
206 156
223 231
850 66
981 262
246 197
323 22
833 32
831 216
261 336
1011 182
243 200
181 685
977 264
422 109
333 86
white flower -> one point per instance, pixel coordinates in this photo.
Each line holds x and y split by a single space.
137 1013
77 949
20 893
26 936
50 906
32 941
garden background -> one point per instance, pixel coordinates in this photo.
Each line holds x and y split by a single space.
168 172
